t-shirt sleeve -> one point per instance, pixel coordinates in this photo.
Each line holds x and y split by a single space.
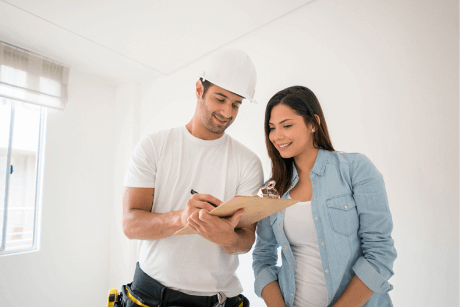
142 166
251 179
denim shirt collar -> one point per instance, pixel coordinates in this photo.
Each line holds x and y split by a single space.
318 168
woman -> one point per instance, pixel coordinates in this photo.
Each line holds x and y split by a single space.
336 243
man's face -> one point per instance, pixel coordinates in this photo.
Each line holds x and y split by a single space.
218 108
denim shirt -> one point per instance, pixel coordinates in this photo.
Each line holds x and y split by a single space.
353 225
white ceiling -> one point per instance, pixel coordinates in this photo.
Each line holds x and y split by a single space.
122 41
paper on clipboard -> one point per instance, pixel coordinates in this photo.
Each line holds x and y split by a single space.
255 209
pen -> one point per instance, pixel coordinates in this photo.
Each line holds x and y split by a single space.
192 191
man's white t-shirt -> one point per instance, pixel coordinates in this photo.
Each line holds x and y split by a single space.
174 162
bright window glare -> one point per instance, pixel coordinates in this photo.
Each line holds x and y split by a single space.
5 114
19 175
50 87
13 76
5 107
26 122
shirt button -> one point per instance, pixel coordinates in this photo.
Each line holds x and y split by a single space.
279 224
346 207
292 294
316 218
285 247
314 182
271 223
312 175
327 271
322 243
330 297
314 198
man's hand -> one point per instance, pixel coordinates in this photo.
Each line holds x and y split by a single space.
198 202
220 231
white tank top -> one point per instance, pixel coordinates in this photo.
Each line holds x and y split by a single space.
300 230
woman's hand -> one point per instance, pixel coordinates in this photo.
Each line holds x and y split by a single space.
355 295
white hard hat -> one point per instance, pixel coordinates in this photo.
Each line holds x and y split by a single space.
232 70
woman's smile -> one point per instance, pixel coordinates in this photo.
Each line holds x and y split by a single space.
283 146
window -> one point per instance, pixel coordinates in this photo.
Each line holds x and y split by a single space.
29 85
22 130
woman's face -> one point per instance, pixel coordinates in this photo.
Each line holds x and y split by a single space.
288 132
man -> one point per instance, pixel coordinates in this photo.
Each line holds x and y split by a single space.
193 270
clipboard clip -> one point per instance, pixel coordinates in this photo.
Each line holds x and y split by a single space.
269 190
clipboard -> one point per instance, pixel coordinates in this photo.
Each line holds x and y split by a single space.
255 209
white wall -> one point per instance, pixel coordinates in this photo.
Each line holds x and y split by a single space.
123 252
386 74
72 266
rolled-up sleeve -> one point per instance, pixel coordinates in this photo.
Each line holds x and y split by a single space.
265 256
375 267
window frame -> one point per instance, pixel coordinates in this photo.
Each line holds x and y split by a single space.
39 176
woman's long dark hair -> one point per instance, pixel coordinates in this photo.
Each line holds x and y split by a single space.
304 103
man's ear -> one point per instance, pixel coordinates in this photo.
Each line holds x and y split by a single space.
199 89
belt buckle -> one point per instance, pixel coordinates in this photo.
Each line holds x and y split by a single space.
221 300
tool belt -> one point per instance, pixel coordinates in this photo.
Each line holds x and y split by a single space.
145 291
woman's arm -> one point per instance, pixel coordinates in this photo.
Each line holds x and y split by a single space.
375 267
265 257
272 295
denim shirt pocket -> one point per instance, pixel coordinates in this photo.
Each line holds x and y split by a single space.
343 214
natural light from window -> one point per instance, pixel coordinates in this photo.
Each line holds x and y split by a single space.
20 177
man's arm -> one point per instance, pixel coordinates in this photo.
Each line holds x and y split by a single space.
140 223
138 220
222 232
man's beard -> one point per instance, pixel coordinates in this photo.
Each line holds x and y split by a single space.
209 124
207 121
